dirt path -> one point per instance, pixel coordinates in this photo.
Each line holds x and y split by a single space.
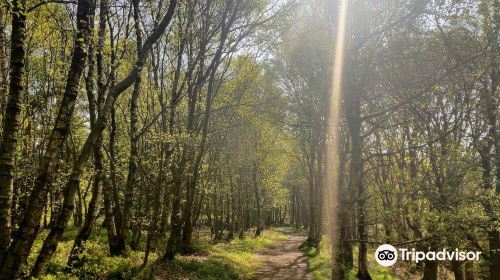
284 260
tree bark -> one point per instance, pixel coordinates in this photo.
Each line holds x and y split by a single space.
4 67
109 219
356 178
311 237
469 271
175 216
341 248
134 152
430 270
11 121
458 271
118 248
258 218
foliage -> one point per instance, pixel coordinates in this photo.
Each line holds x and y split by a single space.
320 263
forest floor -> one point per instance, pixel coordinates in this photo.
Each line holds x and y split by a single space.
284 260
224 260
277 254
245 259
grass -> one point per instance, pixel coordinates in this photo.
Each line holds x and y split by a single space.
235 259
320 263
241 252
193 269
97 264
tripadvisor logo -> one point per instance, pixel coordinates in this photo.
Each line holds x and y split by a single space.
387 255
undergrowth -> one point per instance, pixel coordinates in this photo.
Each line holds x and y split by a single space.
320 263
235 259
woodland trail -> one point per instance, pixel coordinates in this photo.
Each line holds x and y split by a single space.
284 259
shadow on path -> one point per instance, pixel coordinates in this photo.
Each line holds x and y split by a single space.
284 260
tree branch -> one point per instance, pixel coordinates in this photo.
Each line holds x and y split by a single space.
43 2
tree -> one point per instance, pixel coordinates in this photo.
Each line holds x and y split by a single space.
11 122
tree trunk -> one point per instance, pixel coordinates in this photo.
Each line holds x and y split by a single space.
4 65
112 194
175 218
311 238
458 271
430 270
356 178
258 218
78 215
11 122
494 244
115 248
469 270
343 259
233 224
134 152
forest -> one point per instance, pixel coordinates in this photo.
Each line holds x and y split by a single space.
248 139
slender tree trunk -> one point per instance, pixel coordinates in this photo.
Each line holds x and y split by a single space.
175 218
233 224
115 248
134 152
356 179
458 271
160 192
319 189
4 66
153 227
78 215
469 271
11 123
343 259
430 270
311 241
241 215
120 246
258 218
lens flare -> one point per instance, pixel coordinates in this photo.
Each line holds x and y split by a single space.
330 214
